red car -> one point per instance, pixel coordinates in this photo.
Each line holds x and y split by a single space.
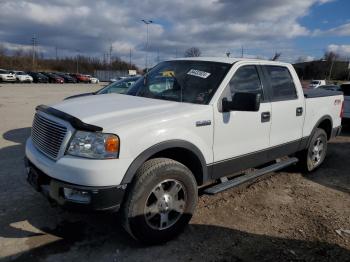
80 78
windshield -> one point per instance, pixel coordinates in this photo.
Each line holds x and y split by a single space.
119 87
315 82
182 81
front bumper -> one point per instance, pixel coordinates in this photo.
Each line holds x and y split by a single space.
107 198
9 79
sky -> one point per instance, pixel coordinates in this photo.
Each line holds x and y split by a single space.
294 28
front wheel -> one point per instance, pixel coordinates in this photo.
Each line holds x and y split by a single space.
160 201
312 157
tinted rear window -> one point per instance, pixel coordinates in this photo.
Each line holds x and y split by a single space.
282 84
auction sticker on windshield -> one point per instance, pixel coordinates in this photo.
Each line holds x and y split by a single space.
198 73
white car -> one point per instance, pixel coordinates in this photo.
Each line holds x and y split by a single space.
7 76
188 123
317 83
22 77
93 80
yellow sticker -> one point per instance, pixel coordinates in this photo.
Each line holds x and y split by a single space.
168 73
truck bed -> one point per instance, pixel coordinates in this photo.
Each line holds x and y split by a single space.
318 92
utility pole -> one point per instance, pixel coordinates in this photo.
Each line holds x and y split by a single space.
176 53
242 51
147 23
56 49
77 61
110 54
331 69
34 43
130 58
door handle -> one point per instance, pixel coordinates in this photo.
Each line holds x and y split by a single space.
299 111
265 117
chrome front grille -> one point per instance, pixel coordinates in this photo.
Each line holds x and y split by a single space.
48 135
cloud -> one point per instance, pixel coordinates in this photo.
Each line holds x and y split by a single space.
342 50
342 30
214 26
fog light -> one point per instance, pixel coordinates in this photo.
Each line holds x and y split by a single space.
78 196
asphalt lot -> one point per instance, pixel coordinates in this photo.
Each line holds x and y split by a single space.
285 216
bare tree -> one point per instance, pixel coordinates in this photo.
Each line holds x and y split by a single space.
192 52
276 56
331 56
2 50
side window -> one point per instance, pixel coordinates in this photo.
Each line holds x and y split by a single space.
246 80
282 85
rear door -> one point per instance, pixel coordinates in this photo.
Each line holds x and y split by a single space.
288 110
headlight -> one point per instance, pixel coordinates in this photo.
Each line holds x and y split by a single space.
94 145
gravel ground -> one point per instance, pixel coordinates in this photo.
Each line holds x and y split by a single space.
284 216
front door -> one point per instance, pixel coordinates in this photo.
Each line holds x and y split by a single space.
240 137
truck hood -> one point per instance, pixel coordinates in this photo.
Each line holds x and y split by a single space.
112 110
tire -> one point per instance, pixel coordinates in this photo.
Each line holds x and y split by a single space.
309 160
151 213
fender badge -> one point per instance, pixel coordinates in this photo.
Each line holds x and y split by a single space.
203 123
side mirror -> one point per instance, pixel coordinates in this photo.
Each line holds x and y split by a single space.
249 102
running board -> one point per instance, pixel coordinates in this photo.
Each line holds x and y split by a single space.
245 178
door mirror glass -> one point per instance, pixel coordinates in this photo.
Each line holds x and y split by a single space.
249 102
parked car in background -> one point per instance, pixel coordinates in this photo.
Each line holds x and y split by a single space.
93 80
22 77
345 88
38 77
80 78
119 87
115 79
67 78
7 76
330 87
53 78
317 83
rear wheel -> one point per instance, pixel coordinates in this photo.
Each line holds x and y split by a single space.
160 201
314 155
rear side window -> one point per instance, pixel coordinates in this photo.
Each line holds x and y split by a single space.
282 85
246 80
346 89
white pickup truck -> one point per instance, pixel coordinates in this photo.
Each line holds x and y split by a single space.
189 123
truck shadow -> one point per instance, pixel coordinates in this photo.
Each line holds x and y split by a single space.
90 241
